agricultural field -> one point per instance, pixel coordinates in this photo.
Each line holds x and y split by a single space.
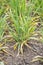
21 32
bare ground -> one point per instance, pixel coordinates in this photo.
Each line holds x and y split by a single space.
11 58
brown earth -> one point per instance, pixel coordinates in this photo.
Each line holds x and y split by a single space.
11 58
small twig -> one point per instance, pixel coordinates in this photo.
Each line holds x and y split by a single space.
8 53
7 36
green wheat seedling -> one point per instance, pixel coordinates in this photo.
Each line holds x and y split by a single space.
37 6
24 25
38 9
3 26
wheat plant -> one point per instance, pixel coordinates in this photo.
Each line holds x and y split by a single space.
23 24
